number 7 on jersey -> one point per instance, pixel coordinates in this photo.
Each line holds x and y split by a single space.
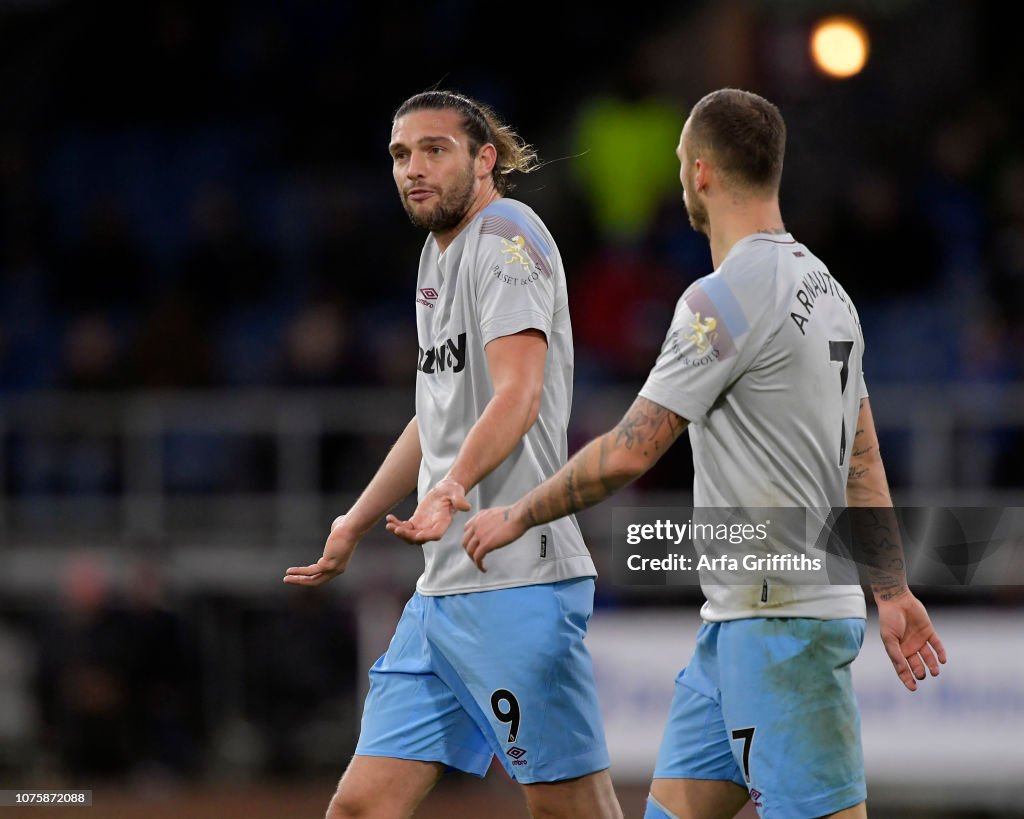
839 351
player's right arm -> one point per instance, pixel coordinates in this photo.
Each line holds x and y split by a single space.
395 479
601 468
906 630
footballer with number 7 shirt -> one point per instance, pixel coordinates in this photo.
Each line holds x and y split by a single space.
762 364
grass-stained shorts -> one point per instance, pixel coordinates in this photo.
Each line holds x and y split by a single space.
768 703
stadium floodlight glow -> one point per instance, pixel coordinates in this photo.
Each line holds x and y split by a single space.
839 46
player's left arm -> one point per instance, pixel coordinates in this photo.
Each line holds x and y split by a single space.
601 468
907 633
516 366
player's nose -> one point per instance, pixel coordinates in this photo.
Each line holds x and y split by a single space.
416 168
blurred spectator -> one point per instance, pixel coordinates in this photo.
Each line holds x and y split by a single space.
303 667
164 674
19 717
117 685
84 679
319 349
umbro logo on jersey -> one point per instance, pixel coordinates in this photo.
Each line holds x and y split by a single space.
427 297
451 355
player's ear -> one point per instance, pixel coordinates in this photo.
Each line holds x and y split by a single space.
486 158
703 173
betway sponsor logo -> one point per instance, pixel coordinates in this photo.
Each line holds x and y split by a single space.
449 356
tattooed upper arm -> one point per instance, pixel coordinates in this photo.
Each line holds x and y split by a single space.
865 444
866 484
649 429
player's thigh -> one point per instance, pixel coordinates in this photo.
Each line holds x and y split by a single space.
791 714
586 797
695 744
379 787
697 798
517 661
411 713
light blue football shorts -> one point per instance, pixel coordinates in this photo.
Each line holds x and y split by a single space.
493 673
768 704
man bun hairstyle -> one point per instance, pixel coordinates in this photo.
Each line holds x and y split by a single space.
482 126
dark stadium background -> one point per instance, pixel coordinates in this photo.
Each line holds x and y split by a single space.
207 340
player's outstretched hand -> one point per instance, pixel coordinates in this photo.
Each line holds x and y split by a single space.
910 639
338 550
434 514
488 530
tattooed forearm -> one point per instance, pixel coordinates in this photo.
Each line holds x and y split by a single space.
586 480
878 548
609 485
606 464
572 491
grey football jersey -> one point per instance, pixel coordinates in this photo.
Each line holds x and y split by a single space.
501 275
763 358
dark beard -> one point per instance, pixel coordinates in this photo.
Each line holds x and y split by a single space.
449 211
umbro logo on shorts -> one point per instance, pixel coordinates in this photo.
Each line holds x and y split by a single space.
517 755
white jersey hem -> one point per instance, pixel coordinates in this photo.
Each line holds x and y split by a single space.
830 608
566 569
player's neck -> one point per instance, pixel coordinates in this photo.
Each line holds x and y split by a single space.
484 197
738 220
